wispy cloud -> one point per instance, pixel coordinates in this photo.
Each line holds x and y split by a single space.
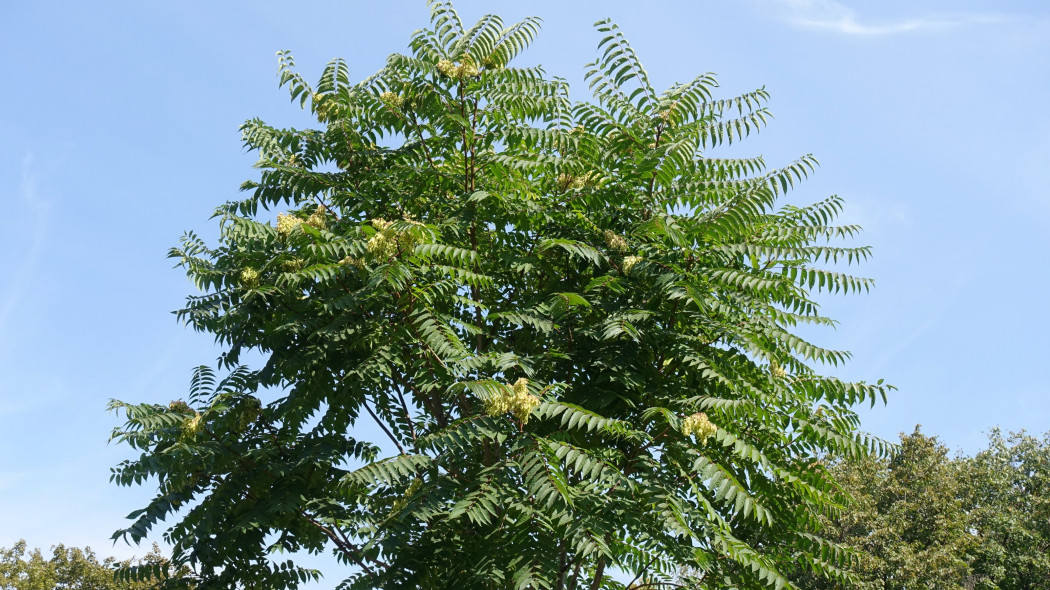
833 16
32 211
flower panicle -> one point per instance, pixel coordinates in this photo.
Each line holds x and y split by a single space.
513 399
700 425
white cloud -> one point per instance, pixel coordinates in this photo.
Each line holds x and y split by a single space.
833 16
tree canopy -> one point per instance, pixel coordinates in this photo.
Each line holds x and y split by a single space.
510 340
71 568
925 520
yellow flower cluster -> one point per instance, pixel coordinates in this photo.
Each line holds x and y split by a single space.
319 218
400 503
286 223
615 241
383 244
629 262
293 265
515 399
777 371
249 277
352 261
466 68
568 181
249 411
191 426
446 67
699 425
386 242
392 100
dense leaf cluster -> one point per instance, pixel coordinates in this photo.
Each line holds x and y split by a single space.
72 568
574 329
925 520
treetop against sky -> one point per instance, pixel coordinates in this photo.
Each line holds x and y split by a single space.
106 164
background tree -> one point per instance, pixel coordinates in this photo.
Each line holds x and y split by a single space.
71 568
569 324
1006 489
907 518
924 520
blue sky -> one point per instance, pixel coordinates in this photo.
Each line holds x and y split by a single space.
119 127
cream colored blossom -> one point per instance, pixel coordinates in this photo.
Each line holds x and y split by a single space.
286 223
523 404
249 277
467 69
293 265
570 181
392 100
319 218
388 242
446 67
514 399
520 387
353 261
382 246
615 241
497 405
191 426
629 262
564 181
699 425
777 371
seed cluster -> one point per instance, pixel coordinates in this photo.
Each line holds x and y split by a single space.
179 406
514 399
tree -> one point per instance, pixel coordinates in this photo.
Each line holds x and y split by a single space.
570 326
71 569
907 519
1006 489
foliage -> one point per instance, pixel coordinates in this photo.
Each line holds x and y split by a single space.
1006 489
573 329
924 520
907 519
70 568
